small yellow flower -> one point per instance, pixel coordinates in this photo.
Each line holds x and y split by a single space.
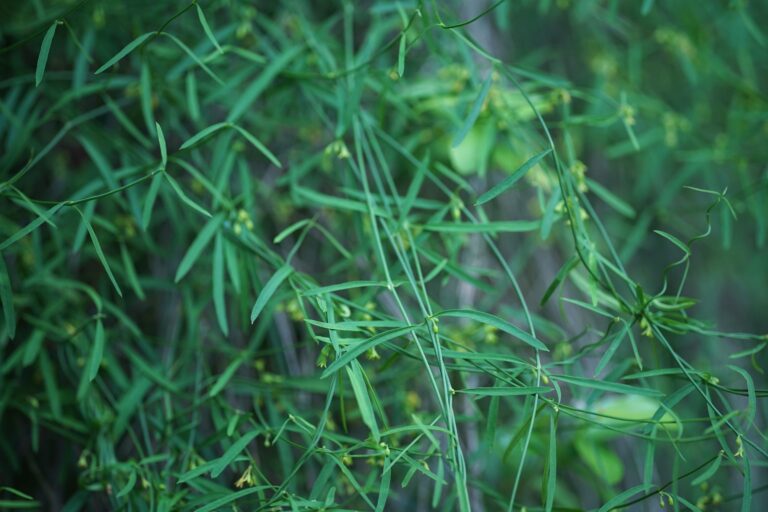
627 114
491 335
70 329
246 478
322 359
412 401
646 328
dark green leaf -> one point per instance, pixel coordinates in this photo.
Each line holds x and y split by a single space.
474 112
45 49
198 245
125 51
513 178
269 289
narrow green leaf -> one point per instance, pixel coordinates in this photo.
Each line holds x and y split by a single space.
193 56
100 161
197 471
401 56
32 347
206 28
505 391
750 351
97 351
203 134
19 505
128 487
604 385
384 486
349 285
492 421
82 232
51 386
161 142
225 377
230 256
589 307
474 112
415 186
746 500
502 226
218 283
130 272
334 202
149 200
100 253
650 455
512 178
709 472
145 96
482 356
489 319
269 289
559 278
333 241
551 471
437 492
360 348
290 229
45 49
21 233
125 51
27 203
611 199
549 213
620 498
258 145
751 395
269 73
16 492
193 102
612 348
356 325
6 295
233 451
184 197
674 240
153 373
198 244
360 390
219 503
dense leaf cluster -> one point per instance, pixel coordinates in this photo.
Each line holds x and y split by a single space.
391 255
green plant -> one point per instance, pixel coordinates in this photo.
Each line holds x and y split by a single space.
406 255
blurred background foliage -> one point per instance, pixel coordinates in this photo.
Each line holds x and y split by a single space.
386 255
